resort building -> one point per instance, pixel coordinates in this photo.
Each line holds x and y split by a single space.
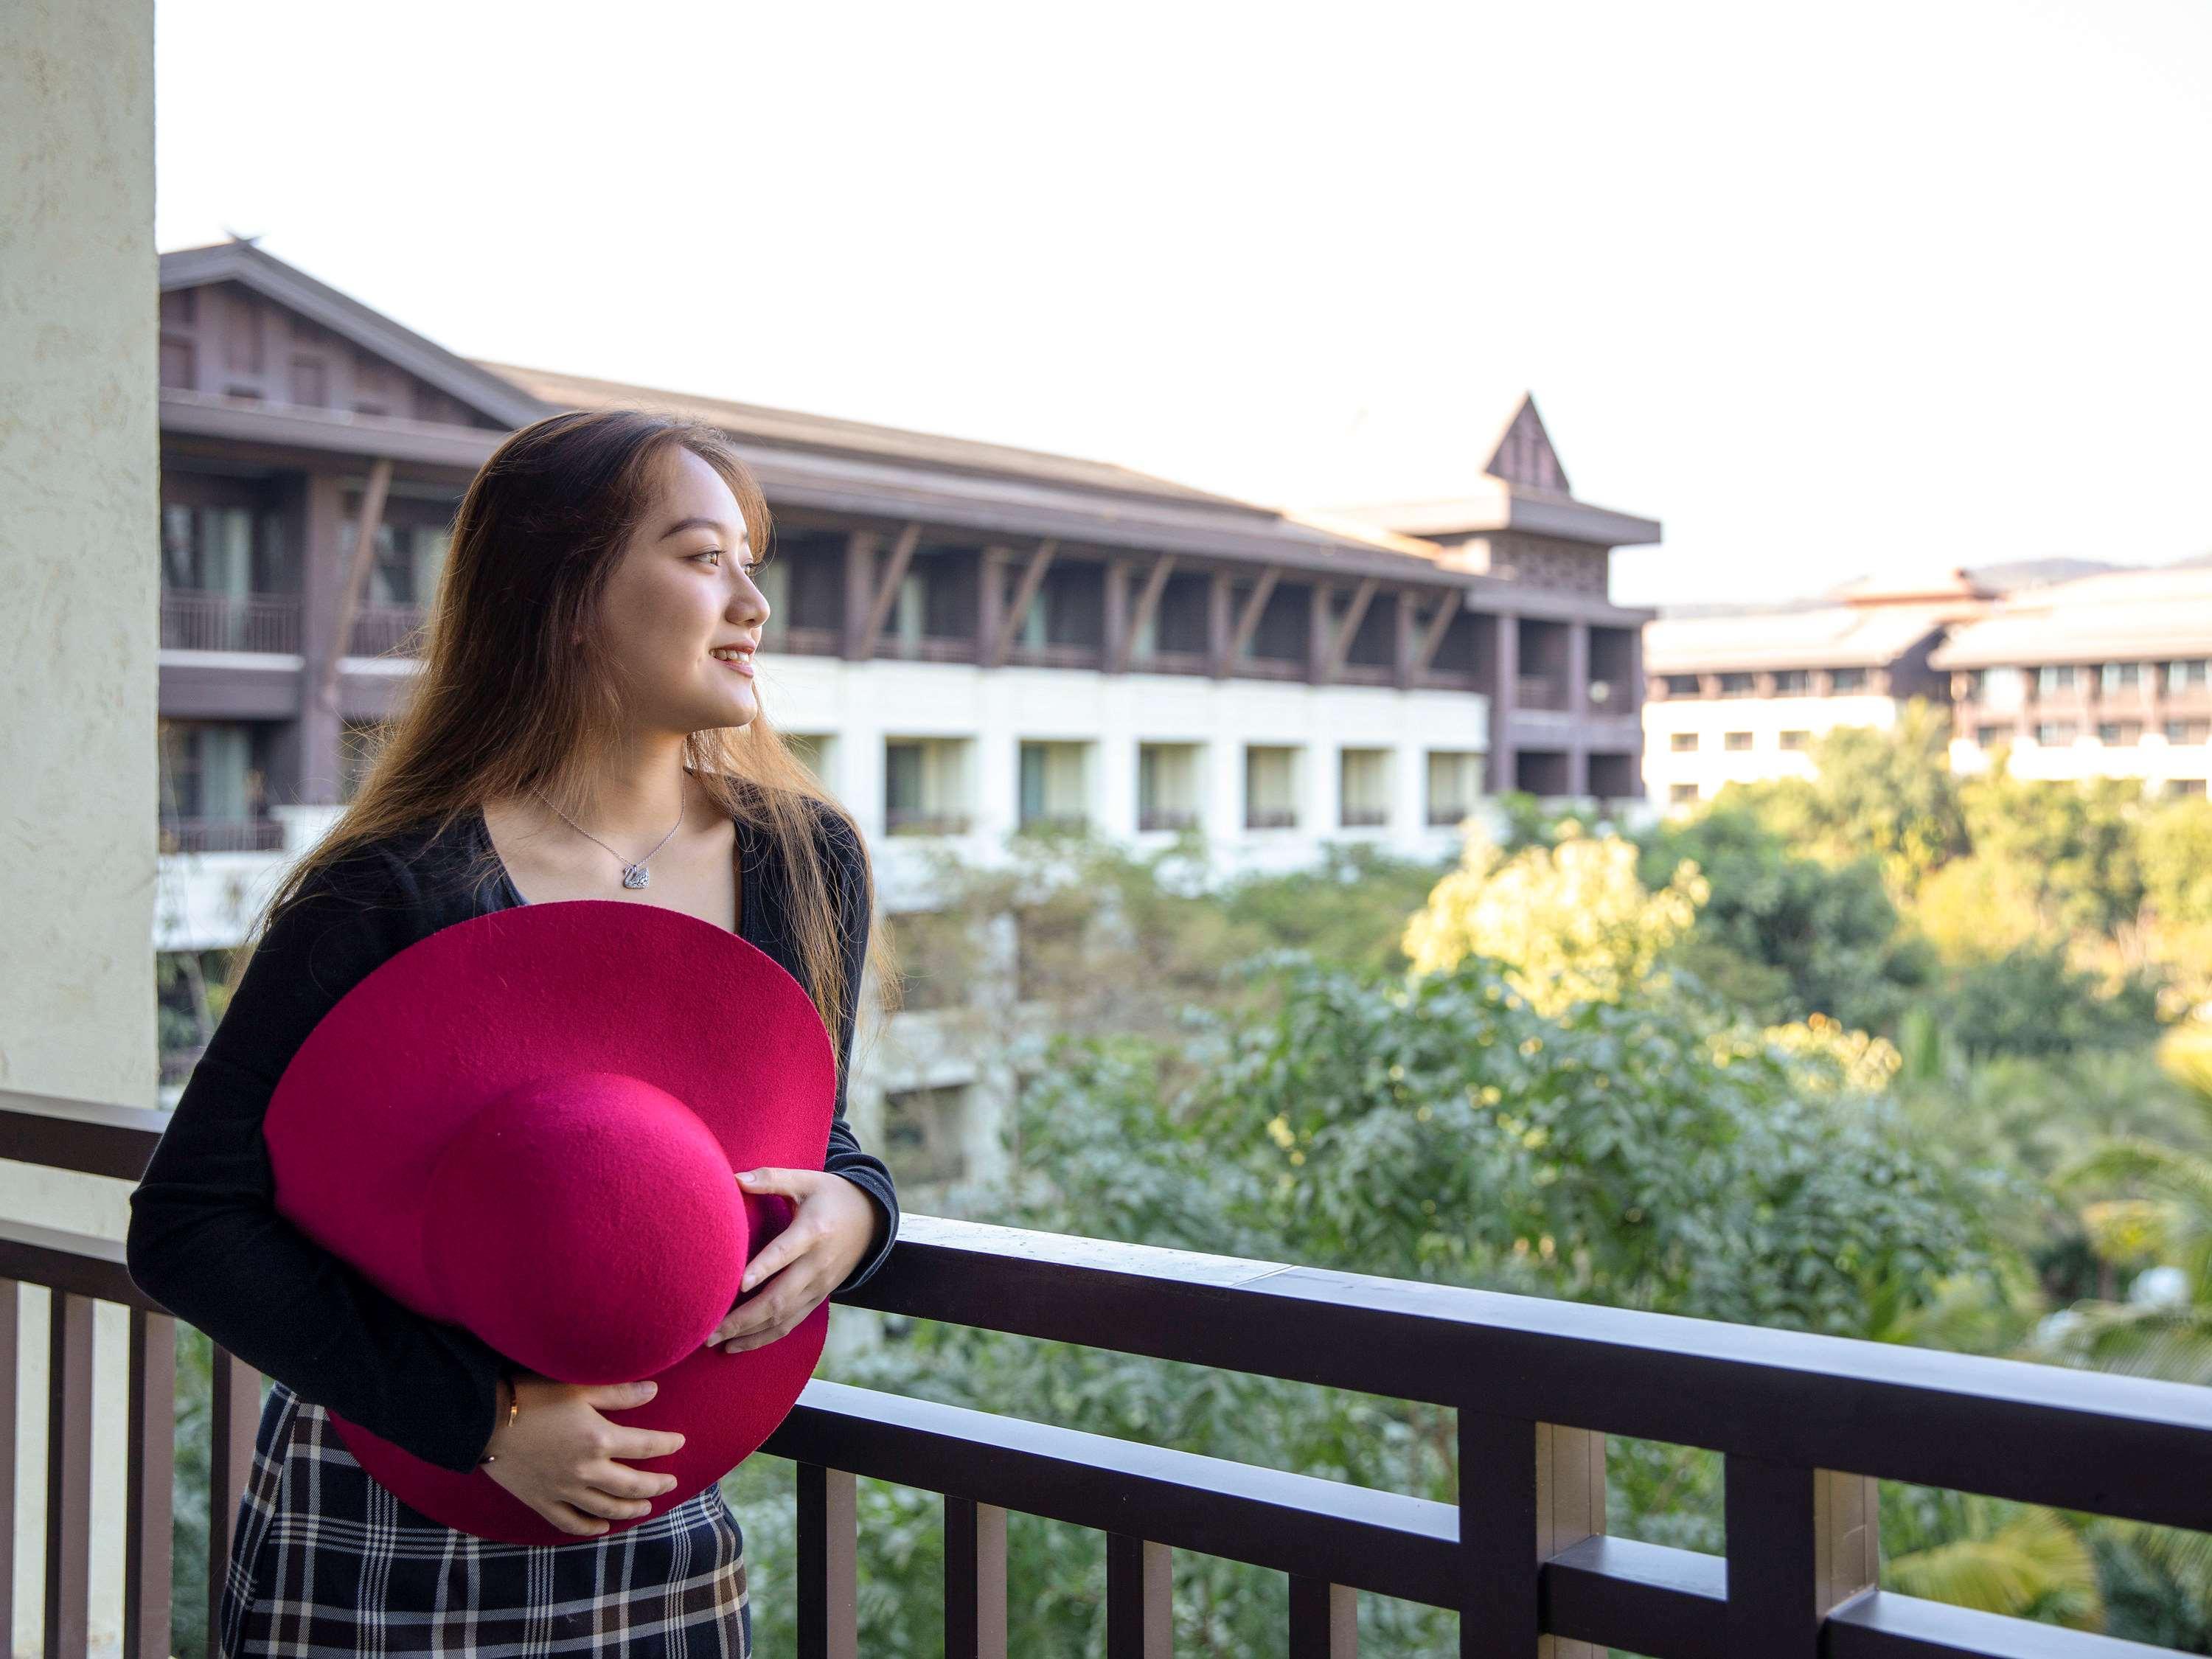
2105 676
968 638
1740 696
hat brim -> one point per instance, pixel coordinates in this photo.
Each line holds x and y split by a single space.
456 1020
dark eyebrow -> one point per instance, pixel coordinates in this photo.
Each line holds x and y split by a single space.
682 525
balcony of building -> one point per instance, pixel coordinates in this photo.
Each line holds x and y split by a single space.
1806 1426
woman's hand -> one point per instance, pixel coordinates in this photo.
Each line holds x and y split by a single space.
559 1455
833 1225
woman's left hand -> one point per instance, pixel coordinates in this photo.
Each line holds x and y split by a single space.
833 1224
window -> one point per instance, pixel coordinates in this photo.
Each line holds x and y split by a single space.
2187 786
1363 787
1738 685
2054 677
1054 784
1167 786
1683 685
1989 737
925 785
2119 732
2120 676
1736 740
1454 784
1682 742
2188 671
1271 786
1847 679
1796 739
2188 731
1792 683
2053 732
1681 794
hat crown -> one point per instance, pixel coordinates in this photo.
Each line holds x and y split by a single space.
586 1224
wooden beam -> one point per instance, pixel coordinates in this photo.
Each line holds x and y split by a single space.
1147 604
1018 608
364 553
1341 641
886 590
1249 618
1448 608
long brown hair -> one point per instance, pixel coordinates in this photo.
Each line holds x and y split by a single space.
504 698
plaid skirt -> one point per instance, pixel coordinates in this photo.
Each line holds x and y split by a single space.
326 1563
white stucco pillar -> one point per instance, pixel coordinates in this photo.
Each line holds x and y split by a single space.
79 604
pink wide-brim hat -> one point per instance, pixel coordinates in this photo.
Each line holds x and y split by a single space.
528 1124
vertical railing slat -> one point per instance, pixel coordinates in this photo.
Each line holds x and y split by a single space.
1527 1491
149 1479
1324 1620
11 1297
829 1583
1139 1598
1800 1543
975 1580
69 1477
234 1413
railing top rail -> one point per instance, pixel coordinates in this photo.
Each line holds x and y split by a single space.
2113 1445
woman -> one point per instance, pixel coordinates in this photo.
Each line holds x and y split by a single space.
584 725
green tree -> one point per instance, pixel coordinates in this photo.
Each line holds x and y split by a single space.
1884 793
2075 843
1783 936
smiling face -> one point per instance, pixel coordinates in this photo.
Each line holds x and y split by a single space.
682 588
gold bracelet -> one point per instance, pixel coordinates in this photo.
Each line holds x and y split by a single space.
514 1406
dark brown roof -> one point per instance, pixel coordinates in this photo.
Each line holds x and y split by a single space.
801 429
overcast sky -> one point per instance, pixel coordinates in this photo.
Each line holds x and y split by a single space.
1826 290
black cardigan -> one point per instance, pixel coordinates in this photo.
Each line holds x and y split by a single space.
205 1240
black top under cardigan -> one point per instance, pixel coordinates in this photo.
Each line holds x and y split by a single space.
205 1239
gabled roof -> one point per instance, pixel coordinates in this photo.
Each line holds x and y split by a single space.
287 285
791 428
1522 486
2139 615
1824 636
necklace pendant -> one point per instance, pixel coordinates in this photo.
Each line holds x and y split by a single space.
635 875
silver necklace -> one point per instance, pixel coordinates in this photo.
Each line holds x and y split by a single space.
633 875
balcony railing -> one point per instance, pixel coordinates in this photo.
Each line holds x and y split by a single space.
801 640
384 630
192 621
918 821
1055 656
1271 818
1365 817
1167 818
1539 691
927 648
1806 1425
222 835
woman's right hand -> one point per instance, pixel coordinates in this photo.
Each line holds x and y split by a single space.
559 1455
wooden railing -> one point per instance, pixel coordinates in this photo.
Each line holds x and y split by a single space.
1807 1426
220 835
195 620
384 630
